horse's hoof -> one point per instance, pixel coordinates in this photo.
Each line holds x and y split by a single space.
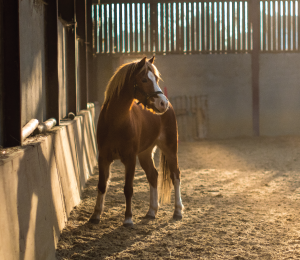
94 221
128 222
128 225
149 217
177 217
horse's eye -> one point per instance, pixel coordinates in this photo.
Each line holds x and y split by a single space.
144 80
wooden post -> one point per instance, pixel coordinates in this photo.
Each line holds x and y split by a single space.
52 86
66 11
154 28
11 92
89 51
255 20
80 11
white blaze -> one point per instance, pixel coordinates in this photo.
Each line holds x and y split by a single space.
161 97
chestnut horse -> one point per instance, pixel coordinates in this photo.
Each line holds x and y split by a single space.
127 129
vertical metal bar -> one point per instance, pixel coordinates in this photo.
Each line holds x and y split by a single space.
111 29
116 36
197 47
223 26
187 27
269 26
298 23
202 27
172 26
131 26
208 28
218 27
239 36
177 28
121 39
249 25
136 40
141 28
125 29
243 47
233 26
154 27
289 26
182 28
255 17
279 21
263 40
274 27
136 23
212 18
284 26
167 28
105 47
160 18
294 26
228 27
11 73
146 26
94 28
132 29
101 50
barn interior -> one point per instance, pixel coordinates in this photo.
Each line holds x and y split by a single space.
229 68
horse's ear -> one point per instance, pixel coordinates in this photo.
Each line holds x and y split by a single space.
141 63
152 60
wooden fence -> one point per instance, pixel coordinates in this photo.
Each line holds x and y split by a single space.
193 27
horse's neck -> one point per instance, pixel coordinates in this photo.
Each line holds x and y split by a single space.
120 105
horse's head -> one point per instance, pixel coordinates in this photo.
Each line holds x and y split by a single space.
146 87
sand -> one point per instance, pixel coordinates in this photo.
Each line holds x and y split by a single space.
241 199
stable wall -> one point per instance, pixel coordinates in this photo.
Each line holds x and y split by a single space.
32 60
40 183
226 81
280 94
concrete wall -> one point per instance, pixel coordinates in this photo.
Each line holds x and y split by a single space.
280 94
32 60
226 81
40 183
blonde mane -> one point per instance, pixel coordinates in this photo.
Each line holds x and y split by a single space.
117 81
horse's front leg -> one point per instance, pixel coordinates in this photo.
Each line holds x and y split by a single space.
147 164
128 188
102 188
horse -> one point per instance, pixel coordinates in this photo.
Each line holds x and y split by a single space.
135 118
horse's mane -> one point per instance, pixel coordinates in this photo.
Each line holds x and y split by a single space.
117 81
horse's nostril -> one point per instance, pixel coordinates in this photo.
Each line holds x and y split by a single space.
162 104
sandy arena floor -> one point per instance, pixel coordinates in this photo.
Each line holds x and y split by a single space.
241 199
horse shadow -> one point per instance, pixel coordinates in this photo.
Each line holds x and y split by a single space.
111 243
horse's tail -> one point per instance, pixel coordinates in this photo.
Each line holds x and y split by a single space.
165 181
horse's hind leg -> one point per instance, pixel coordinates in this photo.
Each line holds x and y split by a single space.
102 187
147 164
170 154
